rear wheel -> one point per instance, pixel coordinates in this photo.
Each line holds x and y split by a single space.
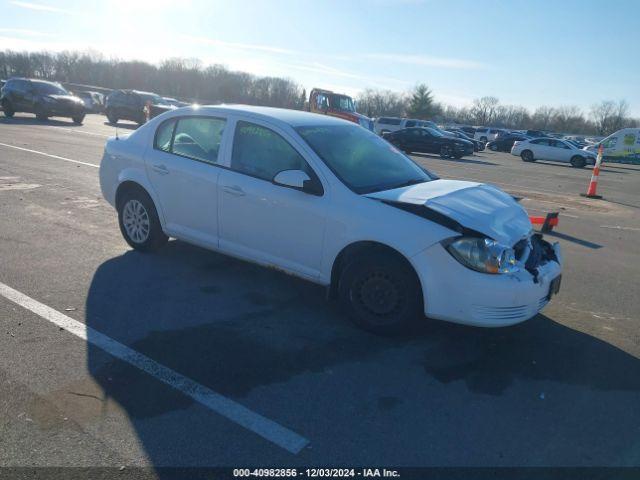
380 292
493 147
527 156
8 110
578 161
112 118
139 222
446 151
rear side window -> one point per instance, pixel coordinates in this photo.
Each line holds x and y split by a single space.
192 137
410 123
541 141
261 152
389 121
164 135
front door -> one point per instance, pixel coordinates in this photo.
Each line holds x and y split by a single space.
259 220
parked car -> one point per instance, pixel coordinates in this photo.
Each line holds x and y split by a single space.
429 140
384 125
485 134
552 149
93 101
44 99
504 143
331 202
535 133
455 127
623 145
130 105
478 146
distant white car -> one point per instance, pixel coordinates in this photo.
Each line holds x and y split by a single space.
331 202
552 149
384 125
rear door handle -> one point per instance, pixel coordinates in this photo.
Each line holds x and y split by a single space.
234 190
161 169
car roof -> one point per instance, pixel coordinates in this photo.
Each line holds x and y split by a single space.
294 118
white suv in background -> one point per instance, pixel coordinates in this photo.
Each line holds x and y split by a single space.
331 202
486 135
391 124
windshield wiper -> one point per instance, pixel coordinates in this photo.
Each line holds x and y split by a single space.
406 183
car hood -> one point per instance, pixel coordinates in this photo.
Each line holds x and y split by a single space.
475 206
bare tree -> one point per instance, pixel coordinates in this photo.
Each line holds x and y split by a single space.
484 110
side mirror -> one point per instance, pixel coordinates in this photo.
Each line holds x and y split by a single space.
298 180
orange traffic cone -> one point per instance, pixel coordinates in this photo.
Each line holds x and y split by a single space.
591 191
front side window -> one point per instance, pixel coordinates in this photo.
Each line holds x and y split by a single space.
610 143
44 88
262 153
410 123
362 160
341 102
192 137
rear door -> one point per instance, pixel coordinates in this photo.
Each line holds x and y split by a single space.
541 148
183 167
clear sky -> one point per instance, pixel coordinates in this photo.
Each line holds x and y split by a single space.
531 53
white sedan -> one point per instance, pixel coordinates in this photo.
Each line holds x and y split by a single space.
552 149
326 200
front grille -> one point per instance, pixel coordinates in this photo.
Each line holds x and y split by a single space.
502 313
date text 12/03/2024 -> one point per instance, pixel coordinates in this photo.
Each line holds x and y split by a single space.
316 472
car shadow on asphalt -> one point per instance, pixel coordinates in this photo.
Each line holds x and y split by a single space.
455 160
35 121
238 328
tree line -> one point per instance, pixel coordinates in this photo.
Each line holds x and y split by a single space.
602 118
185 79
189 79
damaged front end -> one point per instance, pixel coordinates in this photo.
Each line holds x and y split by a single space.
534 252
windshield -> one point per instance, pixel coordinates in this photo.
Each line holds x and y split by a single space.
49 89
342 102
434 132
362 160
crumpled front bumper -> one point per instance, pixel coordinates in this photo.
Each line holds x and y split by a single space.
457 294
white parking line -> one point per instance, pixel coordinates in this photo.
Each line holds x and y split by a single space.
229 409
49 155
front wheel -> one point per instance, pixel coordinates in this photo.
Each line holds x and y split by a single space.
139 222
78 119
446 152
381 293
578 162
527 156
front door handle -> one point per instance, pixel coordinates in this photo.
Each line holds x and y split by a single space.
234 190
161 169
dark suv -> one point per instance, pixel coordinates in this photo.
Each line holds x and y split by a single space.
45 99
129 105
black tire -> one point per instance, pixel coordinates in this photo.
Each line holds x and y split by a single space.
78 119
112 118
380 292
458 156
578 161
151 239
527 156
446 151
484 140
40 114
8 110
493 147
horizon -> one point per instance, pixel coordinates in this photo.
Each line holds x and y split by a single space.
387 48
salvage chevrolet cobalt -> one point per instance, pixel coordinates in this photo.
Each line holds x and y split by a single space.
333 203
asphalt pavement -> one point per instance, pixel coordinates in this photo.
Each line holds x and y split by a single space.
562 389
